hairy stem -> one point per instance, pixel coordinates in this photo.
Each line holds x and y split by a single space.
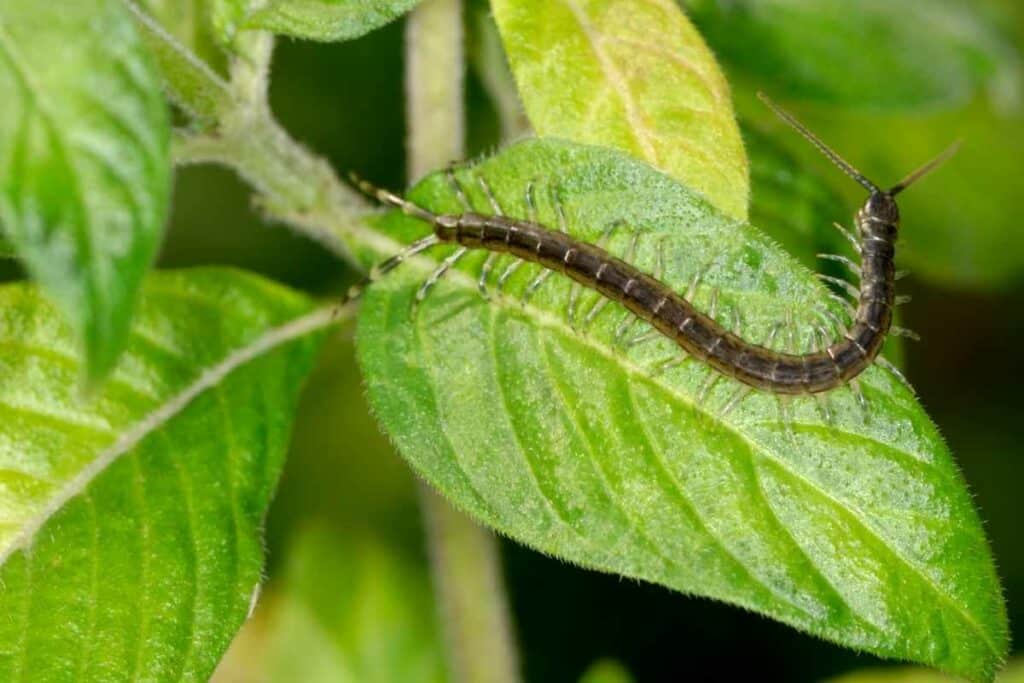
237 129
464 556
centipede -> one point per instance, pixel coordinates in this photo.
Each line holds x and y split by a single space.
698 334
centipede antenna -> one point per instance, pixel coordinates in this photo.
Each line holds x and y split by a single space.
845 166
924 170
385 197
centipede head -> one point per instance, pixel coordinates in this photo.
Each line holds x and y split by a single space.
880 199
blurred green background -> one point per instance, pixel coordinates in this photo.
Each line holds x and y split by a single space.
888 84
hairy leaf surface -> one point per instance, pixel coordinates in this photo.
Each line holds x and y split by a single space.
874 54
540 424
328 20
189 22
631 75
129 538
84 161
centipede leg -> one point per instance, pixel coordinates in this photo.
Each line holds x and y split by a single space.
438 273
825 408
845 286
885 363
783 403
897 331
531 210
668 364
603 301
575 289
862 400
843 260
849 236
707 386
457 189
387 265
630 319
735 400
485 270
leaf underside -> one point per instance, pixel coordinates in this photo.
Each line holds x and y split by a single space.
860 531
84 161
139 559
633 76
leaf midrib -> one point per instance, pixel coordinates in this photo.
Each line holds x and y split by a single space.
206 379
545 318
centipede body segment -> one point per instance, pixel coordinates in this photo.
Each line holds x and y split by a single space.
698 334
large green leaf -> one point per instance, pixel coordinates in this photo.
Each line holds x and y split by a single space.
312 19
629 74
350 608
130 540
84 161
875 53
859 531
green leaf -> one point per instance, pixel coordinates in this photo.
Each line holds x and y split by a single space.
630 74
191 83
327 19
188 21
878 54
130 541
860 531
84 161
349 609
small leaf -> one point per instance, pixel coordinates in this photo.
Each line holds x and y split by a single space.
332 20
629 74
130 540
875 54
189 22
860 530
190 83
327 20
84 161
350 608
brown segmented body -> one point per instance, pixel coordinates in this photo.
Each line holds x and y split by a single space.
699 335
695 332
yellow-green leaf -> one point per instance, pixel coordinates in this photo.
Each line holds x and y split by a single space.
630 74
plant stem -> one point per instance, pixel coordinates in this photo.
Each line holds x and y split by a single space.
464 556
466 568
